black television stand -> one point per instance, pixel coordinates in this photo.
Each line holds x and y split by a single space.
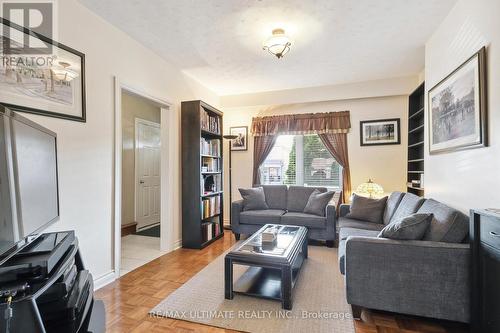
60 293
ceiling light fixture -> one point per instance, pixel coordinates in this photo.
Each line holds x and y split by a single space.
278 44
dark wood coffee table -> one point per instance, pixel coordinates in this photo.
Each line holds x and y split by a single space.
273 270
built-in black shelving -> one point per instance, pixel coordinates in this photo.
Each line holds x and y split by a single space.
202 174
416 126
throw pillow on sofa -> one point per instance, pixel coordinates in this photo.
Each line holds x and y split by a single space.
253 198
367 209
317 202
412 227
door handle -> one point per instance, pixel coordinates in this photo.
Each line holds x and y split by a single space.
494 234
141 182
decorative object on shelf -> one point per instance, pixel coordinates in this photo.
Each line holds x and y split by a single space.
230 137
278 44
457 108
240 142
370 188
50 83
380 132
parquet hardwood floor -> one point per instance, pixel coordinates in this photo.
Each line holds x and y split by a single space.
129 299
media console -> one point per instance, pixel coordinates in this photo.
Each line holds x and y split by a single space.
46 288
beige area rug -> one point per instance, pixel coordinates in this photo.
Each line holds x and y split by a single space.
319 303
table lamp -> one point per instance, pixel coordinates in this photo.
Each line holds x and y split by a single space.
369 188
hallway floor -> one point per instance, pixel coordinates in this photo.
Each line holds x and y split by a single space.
137 251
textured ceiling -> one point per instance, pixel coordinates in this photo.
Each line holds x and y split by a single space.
219 42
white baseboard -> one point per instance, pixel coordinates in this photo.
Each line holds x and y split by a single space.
104 280
177 244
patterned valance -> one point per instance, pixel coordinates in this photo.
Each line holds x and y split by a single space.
307 123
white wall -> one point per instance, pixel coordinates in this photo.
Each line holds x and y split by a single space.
386 165
376 88
86 149
467 179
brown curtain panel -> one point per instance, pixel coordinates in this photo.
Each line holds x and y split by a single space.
336 143
262 146
308 123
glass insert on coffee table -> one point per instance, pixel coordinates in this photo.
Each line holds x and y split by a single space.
274 266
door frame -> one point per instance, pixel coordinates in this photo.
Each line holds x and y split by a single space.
168 125
138 121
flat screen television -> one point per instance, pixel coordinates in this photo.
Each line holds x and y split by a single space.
29 196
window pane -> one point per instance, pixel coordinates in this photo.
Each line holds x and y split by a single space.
273 170
320 168
300 160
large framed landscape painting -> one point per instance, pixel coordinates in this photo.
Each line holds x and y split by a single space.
457 108
380 132
50 82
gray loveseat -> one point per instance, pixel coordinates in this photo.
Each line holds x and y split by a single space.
286 205
428 277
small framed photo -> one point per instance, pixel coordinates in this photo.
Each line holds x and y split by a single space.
241 141
457 108
49 82
380 132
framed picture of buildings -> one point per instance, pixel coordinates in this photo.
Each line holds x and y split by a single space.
380 132
241 141
48 80
457 108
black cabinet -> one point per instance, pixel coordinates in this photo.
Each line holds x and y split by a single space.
485 243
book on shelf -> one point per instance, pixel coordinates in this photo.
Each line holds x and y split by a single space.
209 164
210 147
210 231
210 206
208 122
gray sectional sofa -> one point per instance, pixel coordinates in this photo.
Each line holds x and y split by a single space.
286 205
429 277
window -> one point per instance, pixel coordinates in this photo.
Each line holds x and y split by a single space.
301 160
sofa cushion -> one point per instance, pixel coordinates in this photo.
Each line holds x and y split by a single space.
253 198
345 222
448 224
275 196
346 232
392 204
297 197
409 204
317 202
261 217
303 219
412 227
367 209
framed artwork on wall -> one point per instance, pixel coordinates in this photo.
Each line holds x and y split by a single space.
241 141
49 82
380 132
457 108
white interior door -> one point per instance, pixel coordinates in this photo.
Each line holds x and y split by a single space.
147 166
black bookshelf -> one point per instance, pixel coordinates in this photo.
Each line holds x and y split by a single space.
202 174
416 126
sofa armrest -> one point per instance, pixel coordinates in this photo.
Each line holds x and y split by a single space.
331 217
417 277
236 209
344 210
